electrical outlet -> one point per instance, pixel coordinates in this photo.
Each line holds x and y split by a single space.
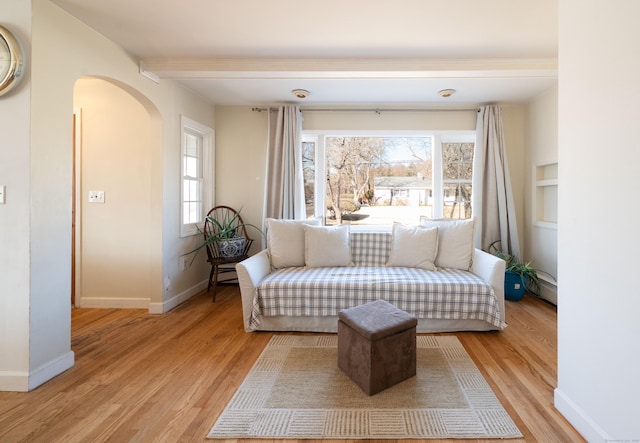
185 263
96 196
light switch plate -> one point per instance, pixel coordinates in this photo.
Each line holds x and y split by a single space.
3 193
96 196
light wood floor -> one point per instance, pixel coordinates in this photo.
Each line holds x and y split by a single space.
148 378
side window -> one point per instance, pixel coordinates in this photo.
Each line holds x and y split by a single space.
457 167
196 175
309 174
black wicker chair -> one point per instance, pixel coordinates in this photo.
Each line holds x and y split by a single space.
222 229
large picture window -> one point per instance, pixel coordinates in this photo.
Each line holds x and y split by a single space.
197 175
379 179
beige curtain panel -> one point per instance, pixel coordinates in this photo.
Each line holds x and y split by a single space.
493 205
284 191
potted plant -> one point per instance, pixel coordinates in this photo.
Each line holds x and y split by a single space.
223 234
518 275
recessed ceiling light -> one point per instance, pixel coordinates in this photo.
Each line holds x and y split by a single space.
300 93
446 92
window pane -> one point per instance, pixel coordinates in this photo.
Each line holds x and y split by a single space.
309 175
185 190
457 171
457 200
191 168
194 212
194 190
185 211
450 161
192 198
457 160
192 164
379 180
467 151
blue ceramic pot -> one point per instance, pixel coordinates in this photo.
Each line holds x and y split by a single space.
513 286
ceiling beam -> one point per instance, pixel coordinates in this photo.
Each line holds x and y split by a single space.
321 68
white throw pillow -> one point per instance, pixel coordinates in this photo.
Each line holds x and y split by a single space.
455 242
285 241
327 246
413 247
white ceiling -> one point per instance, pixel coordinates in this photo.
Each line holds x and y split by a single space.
345 52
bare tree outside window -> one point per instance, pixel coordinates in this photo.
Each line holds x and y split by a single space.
309 175
350 162
457 159
379 180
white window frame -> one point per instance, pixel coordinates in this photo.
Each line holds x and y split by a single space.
207 135
438 137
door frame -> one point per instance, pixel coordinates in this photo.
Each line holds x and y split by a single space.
76 201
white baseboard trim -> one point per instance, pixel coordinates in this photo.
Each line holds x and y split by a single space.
49 370
143 303
14 381
166 306
20 381
578 418
114 303
548 289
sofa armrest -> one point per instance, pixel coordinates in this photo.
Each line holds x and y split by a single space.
491 269
250 273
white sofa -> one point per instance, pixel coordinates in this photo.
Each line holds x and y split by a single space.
283 290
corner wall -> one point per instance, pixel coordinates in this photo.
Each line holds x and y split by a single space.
598 235
541 238
15 142
35 343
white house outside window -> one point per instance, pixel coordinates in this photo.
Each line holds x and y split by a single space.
197 175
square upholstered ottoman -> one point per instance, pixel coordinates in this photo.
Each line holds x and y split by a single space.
376 345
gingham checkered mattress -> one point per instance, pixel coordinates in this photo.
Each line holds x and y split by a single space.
444 294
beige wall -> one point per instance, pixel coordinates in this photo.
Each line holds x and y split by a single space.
115 152
241 136
449 120
15 142
241 139
541 239
36 253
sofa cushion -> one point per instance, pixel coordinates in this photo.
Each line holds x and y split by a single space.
455 242
285 241
413 246
327 246
370 248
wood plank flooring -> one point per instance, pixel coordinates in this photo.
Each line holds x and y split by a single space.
165 378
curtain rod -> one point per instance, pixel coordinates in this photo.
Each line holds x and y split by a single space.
376 110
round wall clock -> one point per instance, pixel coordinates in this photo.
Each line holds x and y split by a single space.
11 61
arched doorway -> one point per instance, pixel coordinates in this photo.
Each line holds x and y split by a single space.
117 151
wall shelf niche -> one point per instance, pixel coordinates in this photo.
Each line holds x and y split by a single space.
546 195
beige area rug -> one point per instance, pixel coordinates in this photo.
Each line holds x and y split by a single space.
296 390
